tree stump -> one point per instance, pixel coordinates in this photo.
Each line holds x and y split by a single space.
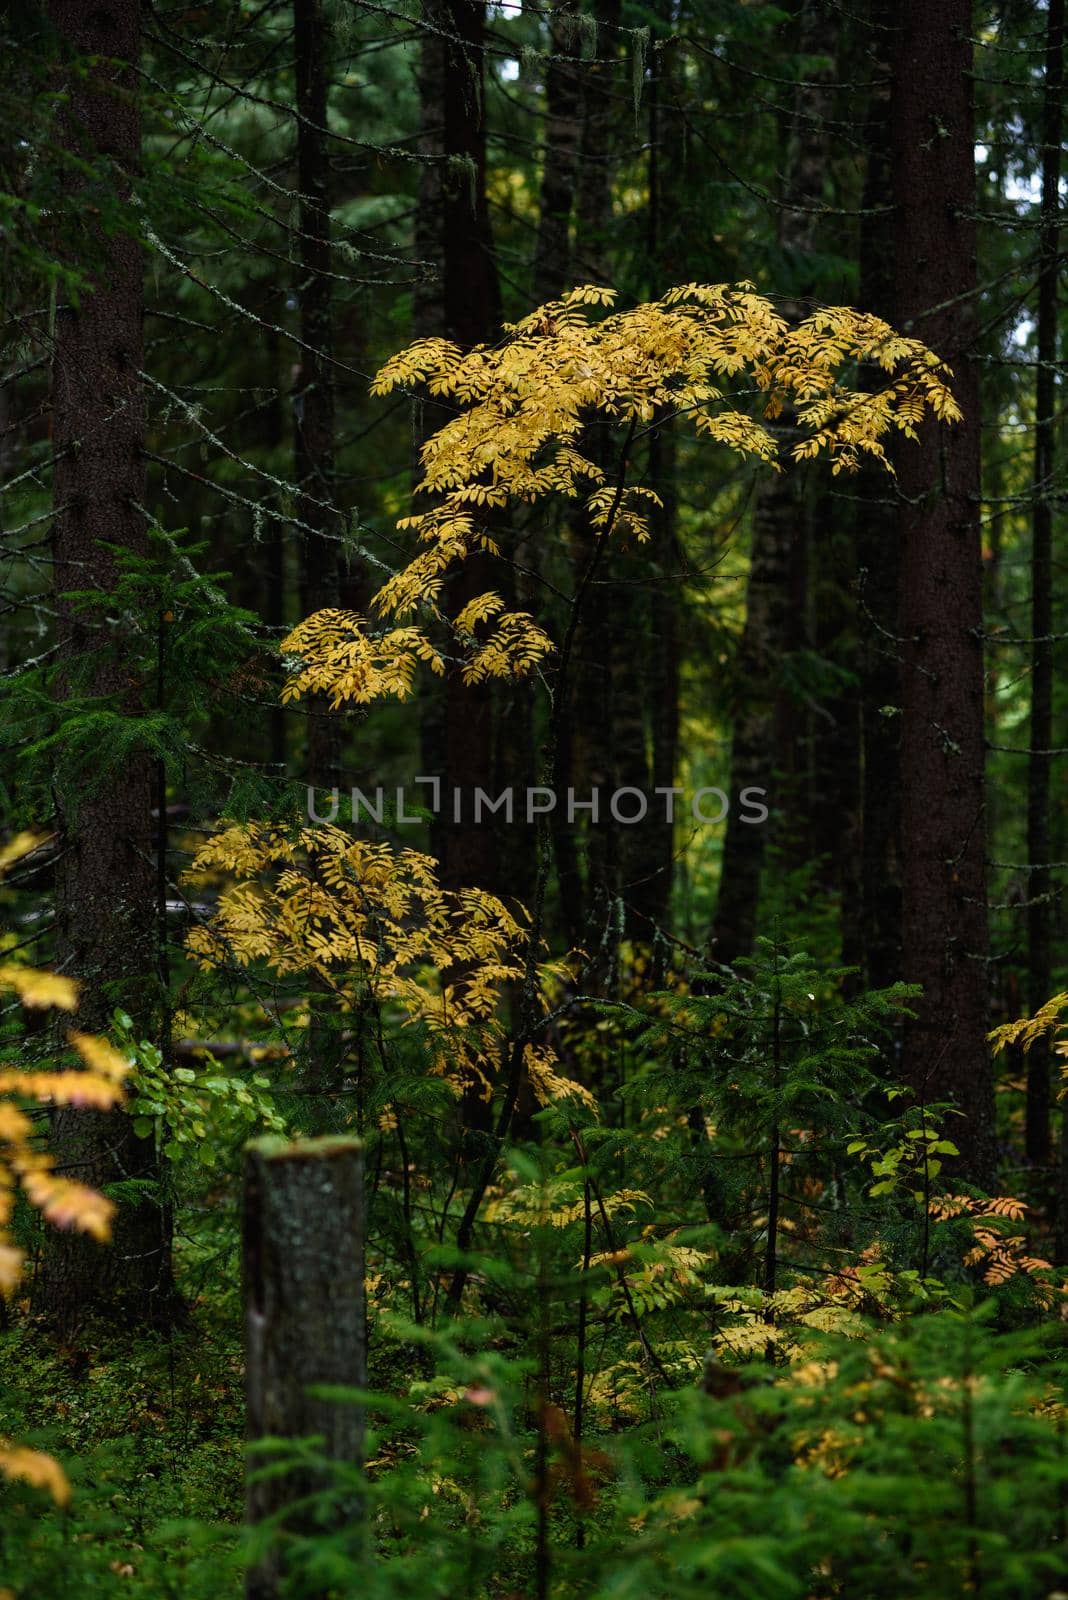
304 1326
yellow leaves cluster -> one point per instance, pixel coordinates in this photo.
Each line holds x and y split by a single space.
480 609
62 1201
371 921
367 920
67 1204
340 660
742 435
40 989
557 1204
1001 1255
653 1275
317 899
1026 1031
33 1466
548 1084
98 1086
523 407
513 650
830 1451
943 1206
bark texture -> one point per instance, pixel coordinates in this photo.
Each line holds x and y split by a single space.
944 916
106 904
470 314
304 1322
563 128
586 749
878 564
1039 849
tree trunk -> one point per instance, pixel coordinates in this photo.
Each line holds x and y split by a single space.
563 126
458 725
1040 966
517 756
274 563
106 906
471 315
593 200
647 848
769 739
313 395
585 753
944 916
304 1326
878 564
767 621
428 323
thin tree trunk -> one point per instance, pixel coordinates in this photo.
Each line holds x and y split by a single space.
1040 964
516 760
428 323
458 736
593 200
878 564
274 564
585 755
767 621
106 910
313 396
471 315
563 127
834 804
647 847
767 752
944 915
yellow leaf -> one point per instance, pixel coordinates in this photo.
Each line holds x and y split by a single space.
10 1267
100 1056
63 1088
33 1466
14 1127
19 846
67 1204
39 988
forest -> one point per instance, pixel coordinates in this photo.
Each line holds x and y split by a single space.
533 954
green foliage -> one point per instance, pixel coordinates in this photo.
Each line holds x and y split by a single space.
906 1154
879 1467
857 1426
165 624
199 1115
149 1430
